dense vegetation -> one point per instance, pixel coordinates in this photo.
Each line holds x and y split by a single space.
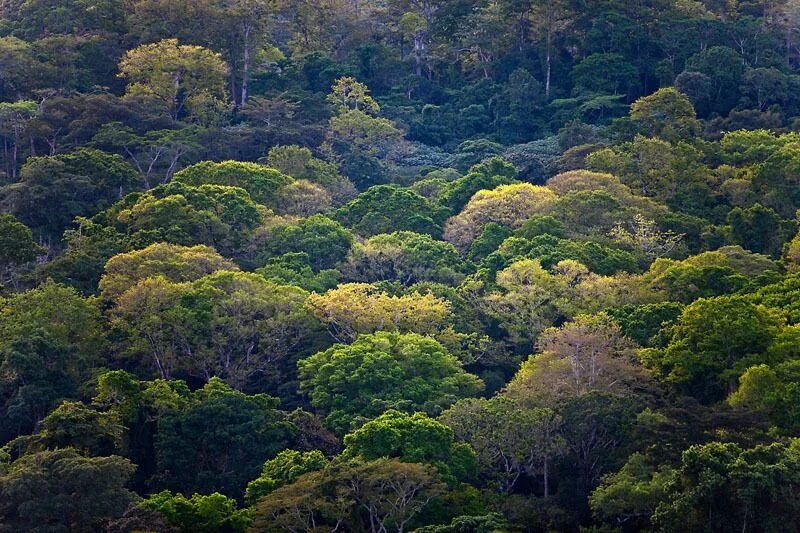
403 265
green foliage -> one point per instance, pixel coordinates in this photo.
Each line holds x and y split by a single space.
642 323
61 490
722 486
667 113
216 428
413 438
633 492
55 189
488 175
509 440
550 250
202 513
589 206
172 262
294 268
324 240
261 183
773 391
285 468
353 383
387 208
16 243
230 324
406 257
215 215
713 342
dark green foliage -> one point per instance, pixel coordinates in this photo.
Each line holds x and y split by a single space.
488 175
759 229
642 323
53 190
387 208
549 250
61 490
262 183
325 241
198 198
712 343
218 427
353 383
723 487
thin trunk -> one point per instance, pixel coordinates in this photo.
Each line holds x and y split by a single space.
6 159
548 68
546 479
14 159
246 62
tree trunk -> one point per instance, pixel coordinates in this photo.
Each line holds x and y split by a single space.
546 476
246 62
548 67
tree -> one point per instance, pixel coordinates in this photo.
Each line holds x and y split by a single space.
303 198
605 73
413 438
509 440
724 68
596 429
89 247
325 241
177 76
197 445
486 175
771 390
509 205
61 490
216 215
631 495
172 262
387 208
354 138
18 63
284 469
375 496
262 183
75 425
352 309
14 119
390 493
53 190
299 163
250 18
667 113
17 247
353 383
156 150
759 229
230 324
349 94
307 504
405 256
646 238
724 487
765 86
202 513
58 312
529 302
712 343
549 19
584 355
